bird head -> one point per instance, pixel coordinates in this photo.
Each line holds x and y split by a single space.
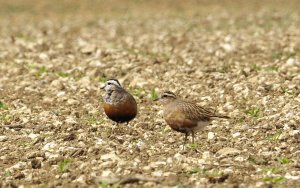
111 84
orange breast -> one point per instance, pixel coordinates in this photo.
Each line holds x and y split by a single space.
122 112
177 120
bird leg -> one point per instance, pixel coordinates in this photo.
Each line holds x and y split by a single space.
193 137
115 126
185 139
193 140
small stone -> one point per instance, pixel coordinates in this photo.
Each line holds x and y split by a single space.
73 102
290 62
291 177
169 160
227 47
210 135
70 120
49 146
244 127
19 166
239 158
146 168
19 175
109 180
3 138
228 171
43 56
95 63
80 179
157 164
178 156
158 173
294 132
88 49
65 175
228 151
206 155
99 141
33 136
171 140
35 154
141 145
106 173
110 157
60 94
237 134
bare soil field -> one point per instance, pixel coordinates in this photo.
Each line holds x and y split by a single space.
241 58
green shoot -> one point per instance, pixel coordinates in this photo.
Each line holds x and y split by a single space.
274 179
7 174
102 79
255 68
286 90
283 160
193 146
153 95
275 137
165 130
137 91
64 165
253 112
63 74
274 68
41 71
3 106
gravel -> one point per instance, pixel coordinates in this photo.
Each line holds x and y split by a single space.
242 59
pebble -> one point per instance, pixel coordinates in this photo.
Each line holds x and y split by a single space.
228 151
206 155
106 173
158 173
73 102
3 138
110 157
49 146
235 135
61 93
88 49
210 135
70 120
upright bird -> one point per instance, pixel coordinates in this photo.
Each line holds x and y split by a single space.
185 117
119 105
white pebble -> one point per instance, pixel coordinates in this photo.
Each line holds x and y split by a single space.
3 138
210 135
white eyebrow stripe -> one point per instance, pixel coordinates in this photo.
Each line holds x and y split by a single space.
169 94
114 82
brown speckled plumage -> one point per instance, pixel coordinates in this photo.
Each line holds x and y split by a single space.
186 117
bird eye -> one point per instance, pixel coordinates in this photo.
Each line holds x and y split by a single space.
108 83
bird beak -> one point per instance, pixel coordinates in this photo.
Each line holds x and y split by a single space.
102 86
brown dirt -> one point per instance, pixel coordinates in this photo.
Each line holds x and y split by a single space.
238 57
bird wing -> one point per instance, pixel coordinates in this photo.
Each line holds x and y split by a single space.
195 112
